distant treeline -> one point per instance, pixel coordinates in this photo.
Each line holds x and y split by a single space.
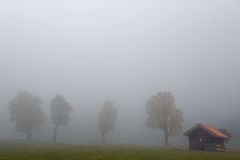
27 114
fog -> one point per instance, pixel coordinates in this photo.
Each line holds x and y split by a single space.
123 51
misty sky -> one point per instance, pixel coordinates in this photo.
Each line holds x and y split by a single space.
125 51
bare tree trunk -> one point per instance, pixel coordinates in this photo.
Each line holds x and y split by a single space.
103 137
55 133
166 137
29 135
165 129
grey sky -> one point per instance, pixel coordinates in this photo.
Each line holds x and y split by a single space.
125 51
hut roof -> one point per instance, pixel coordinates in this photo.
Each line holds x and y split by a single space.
213 131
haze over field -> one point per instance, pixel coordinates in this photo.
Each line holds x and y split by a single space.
123 51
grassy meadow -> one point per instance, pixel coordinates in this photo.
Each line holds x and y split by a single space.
33 151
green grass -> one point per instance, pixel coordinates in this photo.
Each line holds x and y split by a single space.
17 151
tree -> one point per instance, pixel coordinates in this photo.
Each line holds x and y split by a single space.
26 112
163 114
226 132
60 109
107 119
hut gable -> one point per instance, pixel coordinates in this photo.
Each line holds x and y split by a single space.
205 137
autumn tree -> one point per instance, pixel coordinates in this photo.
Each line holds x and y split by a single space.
26 112
163 114
60 109
107 119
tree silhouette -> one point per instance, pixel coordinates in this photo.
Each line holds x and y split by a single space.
60 109
163 114
107 119
26 112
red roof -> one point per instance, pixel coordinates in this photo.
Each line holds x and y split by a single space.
214 131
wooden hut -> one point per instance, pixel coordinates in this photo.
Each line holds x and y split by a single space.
206 137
